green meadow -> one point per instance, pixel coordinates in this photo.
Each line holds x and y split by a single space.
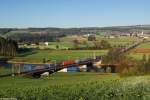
67 42
138 56
144 45
77 86
119 41
57 55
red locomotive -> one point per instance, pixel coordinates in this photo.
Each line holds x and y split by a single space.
68 62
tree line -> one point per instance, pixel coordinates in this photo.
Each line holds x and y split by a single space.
8 47
127 65
34 38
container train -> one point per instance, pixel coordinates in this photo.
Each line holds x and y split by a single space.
53 66
70 62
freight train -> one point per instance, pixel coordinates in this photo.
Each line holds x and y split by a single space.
53 66
70 62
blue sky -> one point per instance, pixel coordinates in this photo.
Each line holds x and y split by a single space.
73 13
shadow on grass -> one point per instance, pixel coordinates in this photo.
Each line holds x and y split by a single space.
22 52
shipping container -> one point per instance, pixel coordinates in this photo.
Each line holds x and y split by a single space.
68 62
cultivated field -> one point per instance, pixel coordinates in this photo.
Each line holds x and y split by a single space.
77 86
142 50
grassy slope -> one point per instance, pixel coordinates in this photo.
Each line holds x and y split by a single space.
144 45
58 55
67 42
120 40
75 86
139 56
55 79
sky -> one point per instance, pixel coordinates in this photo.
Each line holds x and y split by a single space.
73 13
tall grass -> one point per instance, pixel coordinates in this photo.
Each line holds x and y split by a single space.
103 87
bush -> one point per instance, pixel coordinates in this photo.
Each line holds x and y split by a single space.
131 71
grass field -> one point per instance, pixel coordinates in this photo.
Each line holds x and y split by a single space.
58 55
4 71
119 40
139 51
139 56
52 45
77 86
144 45
67 42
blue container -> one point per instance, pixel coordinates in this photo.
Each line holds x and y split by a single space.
73 69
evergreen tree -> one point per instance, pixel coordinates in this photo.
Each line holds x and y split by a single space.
8 47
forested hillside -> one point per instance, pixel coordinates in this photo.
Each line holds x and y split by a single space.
52 34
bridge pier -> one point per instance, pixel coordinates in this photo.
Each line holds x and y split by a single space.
89 67
107 69
36 75
104 68
16 69
113 69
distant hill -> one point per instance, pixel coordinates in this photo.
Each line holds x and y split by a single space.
50 34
